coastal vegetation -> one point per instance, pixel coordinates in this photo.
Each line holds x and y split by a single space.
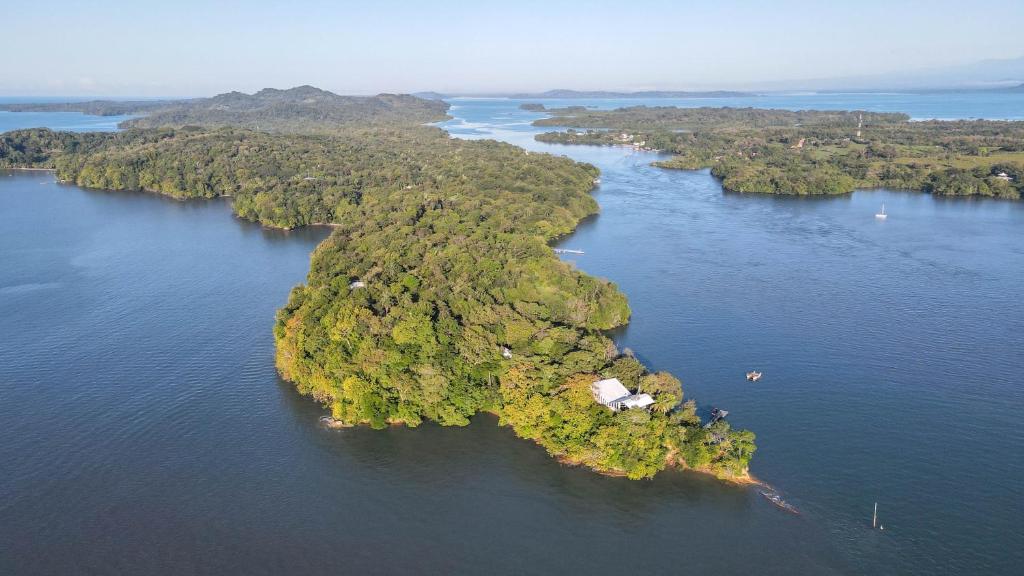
91 107
437 296
563 93
532 107
813 152
303 109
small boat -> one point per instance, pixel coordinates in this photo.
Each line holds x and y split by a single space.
774 498
754 376
881 215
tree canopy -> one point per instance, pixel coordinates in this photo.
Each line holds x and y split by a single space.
438 295
303 109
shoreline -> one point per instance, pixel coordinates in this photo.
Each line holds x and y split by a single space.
745 480
665 165
566 229
599 467
227 197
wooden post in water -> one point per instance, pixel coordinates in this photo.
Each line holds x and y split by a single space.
874 517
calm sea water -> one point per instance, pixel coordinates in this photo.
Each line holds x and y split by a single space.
891 349
66 121
936 105
145 429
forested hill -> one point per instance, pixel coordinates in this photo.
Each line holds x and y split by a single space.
302 109
438 295
463 307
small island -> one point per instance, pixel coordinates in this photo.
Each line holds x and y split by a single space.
532 107
437 295
813 152
678 94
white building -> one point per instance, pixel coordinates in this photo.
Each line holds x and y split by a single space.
614 395
357 284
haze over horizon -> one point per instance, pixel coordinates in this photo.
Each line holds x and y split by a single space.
118 48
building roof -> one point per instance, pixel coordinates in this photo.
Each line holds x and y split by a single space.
608 391
638 401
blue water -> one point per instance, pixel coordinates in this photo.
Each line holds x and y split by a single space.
936 105
145 429
65 121
891 349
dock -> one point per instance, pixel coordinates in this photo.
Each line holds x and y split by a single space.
567 251
716 415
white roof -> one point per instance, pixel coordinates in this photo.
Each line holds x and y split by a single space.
638 401
609 390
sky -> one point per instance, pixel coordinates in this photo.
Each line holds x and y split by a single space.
200 48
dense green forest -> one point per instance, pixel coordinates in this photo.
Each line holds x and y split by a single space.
532 107
449 241
92 107
813 152
303 109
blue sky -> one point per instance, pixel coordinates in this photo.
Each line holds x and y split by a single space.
186 47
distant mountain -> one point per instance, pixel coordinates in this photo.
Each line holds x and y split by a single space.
562 93
1017 88
303 108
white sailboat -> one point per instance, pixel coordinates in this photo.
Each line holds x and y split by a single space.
881 215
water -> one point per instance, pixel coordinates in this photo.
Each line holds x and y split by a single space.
891 349
935 105
146 432
145 429
65 121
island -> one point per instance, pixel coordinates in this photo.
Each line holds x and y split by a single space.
92 107
1012 89
303 109
437 296
564 93
532 107
812 152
